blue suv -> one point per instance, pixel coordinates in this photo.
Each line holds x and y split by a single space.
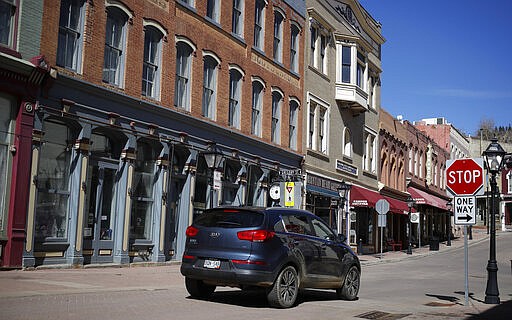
278 249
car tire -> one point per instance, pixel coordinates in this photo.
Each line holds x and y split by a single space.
198 289
285 289
350 288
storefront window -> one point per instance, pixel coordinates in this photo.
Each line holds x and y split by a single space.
142 191
253 178
201 187
53 180
6 128
230 184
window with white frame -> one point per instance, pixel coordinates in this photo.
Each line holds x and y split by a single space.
370 150
347 143
416 162
346 63
183 81
410 160
211 64
294 48
152 60
115 44
238 18
509 182
8 12
235 97
293 123
361 70
257 103
317 125
319 43
313 33
275 134
278 36
435 175
322 64
421 168
259 23
71 26
212 10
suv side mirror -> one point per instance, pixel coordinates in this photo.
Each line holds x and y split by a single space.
342 237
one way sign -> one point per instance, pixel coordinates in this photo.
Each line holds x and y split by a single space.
465 210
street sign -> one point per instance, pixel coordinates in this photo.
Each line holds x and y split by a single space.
289 199
415 217
382 206
465 210
465 177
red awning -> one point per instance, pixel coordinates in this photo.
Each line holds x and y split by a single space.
422 197
361 197
397 206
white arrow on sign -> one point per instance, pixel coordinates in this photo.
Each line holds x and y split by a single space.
465 210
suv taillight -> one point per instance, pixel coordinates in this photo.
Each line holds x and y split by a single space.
255 235
191 231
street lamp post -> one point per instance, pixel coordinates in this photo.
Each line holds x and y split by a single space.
449 206
410 203
493 156
343 189
213 157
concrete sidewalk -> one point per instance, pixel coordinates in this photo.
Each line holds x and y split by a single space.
478 235
54 280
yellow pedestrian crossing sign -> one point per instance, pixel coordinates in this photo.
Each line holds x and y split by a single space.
289 199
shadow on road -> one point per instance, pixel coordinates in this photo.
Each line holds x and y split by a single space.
258 299
500 312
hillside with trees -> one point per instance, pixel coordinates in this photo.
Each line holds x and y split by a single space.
488 130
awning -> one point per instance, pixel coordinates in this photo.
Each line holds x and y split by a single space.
361 197
322 191
422 197
397 206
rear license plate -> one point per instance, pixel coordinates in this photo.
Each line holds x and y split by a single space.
211 264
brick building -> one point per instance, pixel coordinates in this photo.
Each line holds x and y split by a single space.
143 93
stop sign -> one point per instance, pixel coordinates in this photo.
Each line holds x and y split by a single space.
465 177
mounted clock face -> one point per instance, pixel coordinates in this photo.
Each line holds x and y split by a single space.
275 192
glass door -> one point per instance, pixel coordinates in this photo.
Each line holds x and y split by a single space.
98 232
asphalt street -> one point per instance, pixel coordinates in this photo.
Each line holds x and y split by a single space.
424 285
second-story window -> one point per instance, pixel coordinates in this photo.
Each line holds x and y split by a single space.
257 102
209 86
294 48
151 65
293 122
71 25
278 37
275 131
212 10
347 143
235 89
238 18
346 63
259 23
360 72
183 74
7 17
113 64
322 64
312 53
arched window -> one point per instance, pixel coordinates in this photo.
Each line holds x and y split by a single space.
71 29
183 81
115 46
347 143
235 97
210 68
275 132
259 23
294 48
293 123
278 36
257 104
152 60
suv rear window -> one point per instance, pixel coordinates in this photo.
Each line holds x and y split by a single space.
230 218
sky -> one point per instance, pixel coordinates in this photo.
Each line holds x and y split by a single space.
446 58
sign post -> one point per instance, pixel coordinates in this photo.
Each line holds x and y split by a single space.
465 180
382 207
